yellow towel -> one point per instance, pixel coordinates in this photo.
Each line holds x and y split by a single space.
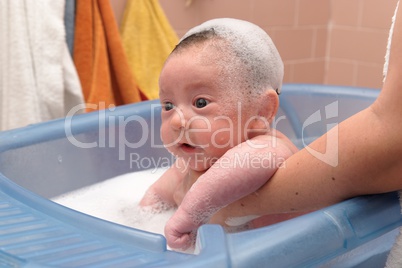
148 39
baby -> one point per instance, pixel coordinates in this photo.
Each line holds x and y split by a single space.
219 91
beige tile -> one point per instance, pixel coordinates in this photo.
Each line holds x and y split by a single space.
366 46
294 43
378 13
269 30
340 73
289 70
353 55
320 42
274 12
210 9
181 17
309 72
313 12
181 33
369 75
118 7
345 12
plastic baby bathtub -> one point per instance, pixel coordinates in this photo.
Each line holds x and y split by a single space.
44 160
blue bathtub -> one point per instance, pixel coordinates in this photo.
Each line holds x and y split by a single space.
44 160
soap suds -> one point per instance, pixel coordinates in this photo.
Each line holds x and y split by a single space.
239 221
117 200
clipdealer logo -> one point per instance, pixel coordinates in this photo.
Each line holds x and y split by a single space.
330 156
110 137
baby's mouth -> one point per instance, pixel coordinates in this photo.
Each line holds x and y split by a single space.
187 147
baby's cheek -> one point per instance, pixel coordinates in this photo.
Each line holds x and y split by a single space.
199 123
164 132
167 137
222 138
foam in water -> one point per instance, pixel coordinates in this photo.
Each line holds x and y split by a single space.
117 200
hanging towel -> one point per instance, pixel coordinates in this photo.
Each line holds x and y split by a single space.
148 39
69 23
100 59
34 63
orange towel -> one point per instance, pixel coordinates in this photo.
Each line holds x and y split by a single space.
100 59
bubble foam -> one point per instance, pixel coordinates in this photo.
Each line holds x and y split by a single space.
117 199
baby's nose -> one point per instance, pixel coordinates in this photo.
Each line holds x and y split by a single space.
178 120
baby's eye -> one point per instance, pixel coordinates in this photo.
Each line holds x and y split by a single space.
167 106
201 103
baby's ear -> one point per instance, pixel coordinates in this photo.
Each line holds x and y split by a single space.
269 105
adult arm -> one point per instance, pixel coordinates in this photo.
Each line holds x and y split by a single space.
369 154
369 157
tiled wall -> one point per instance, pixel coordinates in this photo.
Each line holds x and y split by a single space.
358 35
339 42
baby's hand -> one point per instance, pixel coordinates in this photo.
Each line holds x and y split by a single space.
181 229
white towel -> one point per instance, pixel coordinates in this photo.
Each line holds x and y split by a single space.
395 257
38 81
391 30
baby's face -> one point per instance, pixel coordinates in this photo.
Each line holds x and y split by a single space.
201 117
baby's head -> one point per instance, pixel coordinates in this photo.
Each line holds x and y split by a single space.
248 54
218 88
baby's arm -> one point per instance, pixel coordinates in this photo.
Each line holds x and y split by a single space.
160 193
215 189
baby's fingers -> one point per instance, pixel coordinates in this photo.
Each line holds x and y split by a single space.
178 240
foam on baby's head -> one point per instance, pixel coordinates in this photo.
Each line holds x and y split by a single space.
251 45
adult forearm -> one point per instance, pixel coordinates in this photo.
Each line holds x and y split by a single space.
366 164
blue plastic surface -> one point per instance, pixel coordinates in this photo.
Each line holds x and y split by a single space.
43 160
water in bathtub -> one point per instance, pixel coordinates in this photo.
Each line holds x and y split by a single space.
116 200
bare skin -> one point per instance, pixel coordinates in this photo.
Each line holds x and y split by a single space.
204 115
201 199
369 153
370 156
202 202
